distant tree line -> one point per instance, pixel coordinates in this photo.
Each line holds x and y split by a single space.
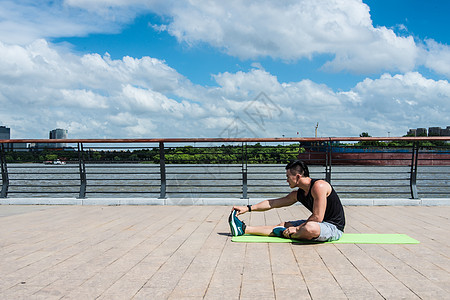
225 154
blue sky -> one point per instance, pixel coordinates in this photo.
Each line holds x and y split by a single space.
421 20
119 69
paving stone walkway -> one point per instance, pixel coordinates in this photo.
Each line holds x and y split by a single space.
185 252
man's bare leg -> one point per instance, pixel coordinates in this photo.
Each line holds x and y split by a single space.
260 230
308 231
265 230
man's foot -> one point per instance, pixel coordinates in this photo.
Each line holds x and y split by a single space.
237 226
278 231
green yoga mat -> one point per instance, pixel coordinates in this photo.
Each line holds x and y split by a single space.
347 238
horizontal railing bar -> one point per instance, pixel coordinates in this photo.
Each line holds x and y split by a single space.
125 179
38 173
43 192
338 179
176 166
334 185
376 192
205 179
218 186
204 192
371 172
116 166
44 186
55 167
125 165
275 185
122 173
368 178
369 185
434 193
203 173
124 185
341 192
43 179
124 192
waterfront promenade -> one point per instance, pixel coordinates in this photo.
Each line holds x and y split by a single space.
185 252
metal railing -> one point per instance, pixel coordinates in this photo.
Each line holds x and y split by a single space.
161 168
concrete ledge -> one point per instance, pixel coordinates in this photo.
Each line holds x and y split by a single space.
206 201
358 202
436 202
41 201
214 201
123 201
397 202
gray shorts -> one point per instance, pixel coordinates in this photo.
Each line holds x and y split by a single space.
328 232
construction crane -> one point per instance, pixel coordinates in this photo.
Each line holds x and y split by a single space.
317 126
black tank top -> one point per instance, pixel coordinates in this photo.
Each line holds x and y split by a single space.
334 212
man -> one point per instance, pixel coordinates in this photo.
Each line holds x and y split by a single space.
327 219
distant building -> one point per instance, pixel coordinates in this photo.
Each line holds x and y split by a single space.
5 134
417 132
446 131
59 134
421 132
412 132
432 131
53 134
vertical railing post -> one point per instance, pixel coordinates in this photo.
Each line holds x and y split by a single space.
5 177
328 163
162 169
82 168
244 170
413 173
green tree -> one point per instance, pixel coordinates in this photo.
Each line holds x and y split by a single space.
51 157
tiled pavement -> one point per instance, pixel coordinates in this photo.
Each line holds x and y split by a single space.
185 252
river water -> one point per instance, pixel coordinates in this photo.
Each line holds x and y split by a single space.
218 181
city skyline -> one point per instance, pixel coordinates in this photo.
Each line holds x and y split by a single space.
60 133
139 69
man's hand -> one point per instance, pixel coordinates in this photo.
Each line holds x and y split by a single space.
240 210
289 232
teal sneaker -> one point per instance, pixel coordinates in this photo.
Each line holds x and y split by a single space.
278 231
237 226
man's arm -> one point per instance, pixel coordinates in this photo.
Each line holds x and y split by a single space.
319 192
287 200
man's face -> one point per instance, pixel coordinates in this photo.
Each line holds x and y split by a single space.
292 179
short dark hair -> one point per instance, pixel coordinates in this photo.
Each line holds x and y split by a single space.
298 167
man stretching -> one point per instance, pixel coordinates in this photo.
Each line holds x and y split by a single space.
327 219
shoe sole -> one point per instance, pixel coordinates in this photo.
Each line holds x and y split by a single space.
233 226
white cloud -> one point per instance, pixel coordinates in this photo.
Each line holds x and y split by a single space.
292 30
83 98
42 87
437 57
408 100
287 30
25 21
